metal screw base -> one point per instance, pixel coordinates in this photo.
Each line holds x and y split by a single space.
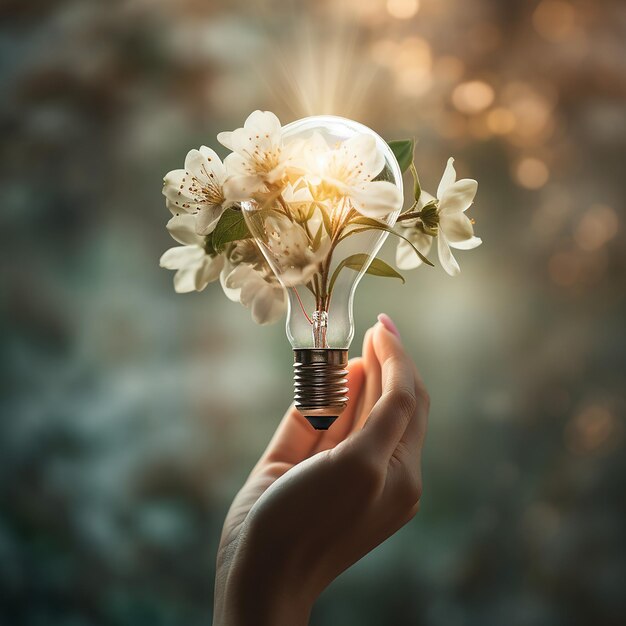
320 384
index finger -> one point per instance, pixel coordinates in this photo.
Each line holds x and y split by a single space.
394 410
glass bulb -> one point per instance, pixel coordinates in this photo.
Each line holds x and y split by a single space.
319 246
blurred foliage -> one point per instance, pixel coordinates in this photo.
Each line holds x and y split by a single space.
130 415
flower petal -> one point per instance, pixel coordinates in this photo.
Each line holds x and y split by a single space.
448 262
208 217
360 156
209 272
175 189
185 280
456 226
182 257
231 293
448 178
458 197
377 199
406 258
263 122
468 244
182 228
268 305
243 187
215 164
226 139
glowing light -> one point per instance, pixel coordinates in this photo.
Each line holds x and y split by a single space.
597 227
403 9
565 268
319 71
533 113
412 64
473 96
501 121
532 173
555 20
593 429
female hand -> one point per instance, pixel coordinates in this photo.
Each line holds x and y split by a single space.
316 502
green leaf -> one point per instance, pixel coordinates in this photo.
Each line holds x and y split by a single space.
231 227
326 219
417 189
369 223
317 239
356 262
403 151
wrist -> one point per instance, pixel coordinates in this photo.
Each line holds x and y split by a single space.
242 603
259 591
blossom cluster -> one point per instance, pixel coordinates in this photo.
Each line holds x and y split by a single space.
312 195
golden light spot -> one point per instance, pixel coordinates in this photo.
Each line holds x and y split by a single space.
532 173
472 96
597 227
501 121
555 20
565 268
403 9
593 429
533 113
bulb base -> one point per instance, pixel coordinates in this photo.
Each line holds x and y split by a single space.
320 384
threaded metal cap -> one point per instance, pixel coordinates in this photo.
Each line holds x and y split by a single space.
320 384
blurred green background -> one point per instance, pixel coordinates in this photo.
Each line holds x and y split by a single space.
131 415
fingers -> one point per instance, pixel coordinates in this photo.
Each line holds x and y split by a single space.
397 404
293 441
343 424
373 385
296 440
415 433
408 452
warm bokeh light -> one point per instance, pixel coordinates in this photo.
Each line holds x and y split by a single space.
555 20
598 226
473 96
501 121
594 429
531 173
403 9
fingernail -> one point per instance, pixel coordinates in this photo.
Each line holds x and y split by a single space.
387 322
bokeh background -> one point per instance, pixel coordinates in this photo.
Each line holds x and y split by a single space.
131 415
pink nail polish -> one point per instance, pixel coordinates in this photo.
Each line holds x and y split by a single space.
387 322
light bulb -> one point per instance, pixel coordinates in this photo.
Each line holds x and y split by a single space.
319 246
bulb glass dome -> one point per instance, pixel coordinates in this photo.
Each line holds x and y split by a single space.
321 232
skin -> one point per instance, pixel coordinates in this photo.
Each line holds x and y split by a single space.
318 501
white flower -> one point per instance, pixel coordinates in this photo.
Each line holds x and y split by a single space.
448 222
254 285
258 157
290 248
348 171
196 266
198 189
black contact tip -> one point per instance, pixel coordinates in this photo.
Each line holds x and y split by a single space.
321 422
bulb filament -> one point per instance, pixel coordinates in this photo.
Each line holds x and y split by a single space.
320 325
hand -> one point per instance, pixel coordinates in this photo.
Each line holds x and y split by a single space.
317 502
